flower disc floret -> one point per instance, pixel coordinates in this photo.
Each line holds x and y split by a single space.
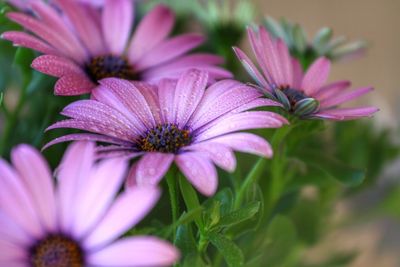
166 138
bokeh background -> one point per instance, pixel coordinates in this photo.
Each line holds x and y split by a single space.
376 21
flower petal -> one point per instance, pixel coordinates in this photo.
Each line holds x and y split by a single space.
220 154
316 75
73 172
240 121
27 40
152 29
99 191
200 172
73 84
344 97
117 23
56 66
35 174
150 169
245 142
346 113
16 202
136 251
127 210
221 98
188 93
169 49
86 27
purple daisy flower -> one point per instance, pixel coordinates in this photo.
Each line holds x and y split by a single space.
177 121
305 95
77 223
84 44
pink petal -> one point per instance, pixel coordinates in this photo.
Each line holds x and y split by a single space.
240 121
251 68
51 36
87 28
344 97
73 172
245 142
94 112
56 66
256 103
169 49
73 84
271 56
188 93
221 98
260 50
316 76
16 202
152 29
200 172
11 255
35 174
136 251
285 62
151 168
13 233
117 24
182 64
297 73
125 97
220 154
101 186
127 210
52 19
87 137
346 113
27 40
166 95
331 89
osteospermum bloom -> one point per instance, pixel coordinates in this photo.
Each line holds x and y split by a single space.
83 44
178 121
304 94
77 223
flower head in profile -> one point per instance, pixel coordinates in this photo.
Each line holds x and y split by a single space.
83 44
304 94
177 121
77 222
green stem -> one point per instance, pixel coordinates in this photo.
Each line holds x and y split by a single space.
171 181
251 178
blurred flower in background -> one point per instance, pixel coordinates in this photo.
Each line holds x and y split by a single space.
323 43
306 95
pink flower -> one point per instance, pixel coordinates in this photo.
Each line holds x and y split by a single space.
76 223
306 95
85 44
178 121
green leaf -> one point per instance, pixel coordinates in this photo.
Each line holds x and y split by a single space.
191 199
232 254
185 240
280 241
237 216
23 59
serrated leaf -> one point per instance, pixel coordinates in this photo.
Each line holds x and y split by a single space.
232 254
240 215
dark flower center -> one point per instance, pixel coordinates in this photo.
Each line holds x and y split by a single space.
166 138
293 95
56 251
109 66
